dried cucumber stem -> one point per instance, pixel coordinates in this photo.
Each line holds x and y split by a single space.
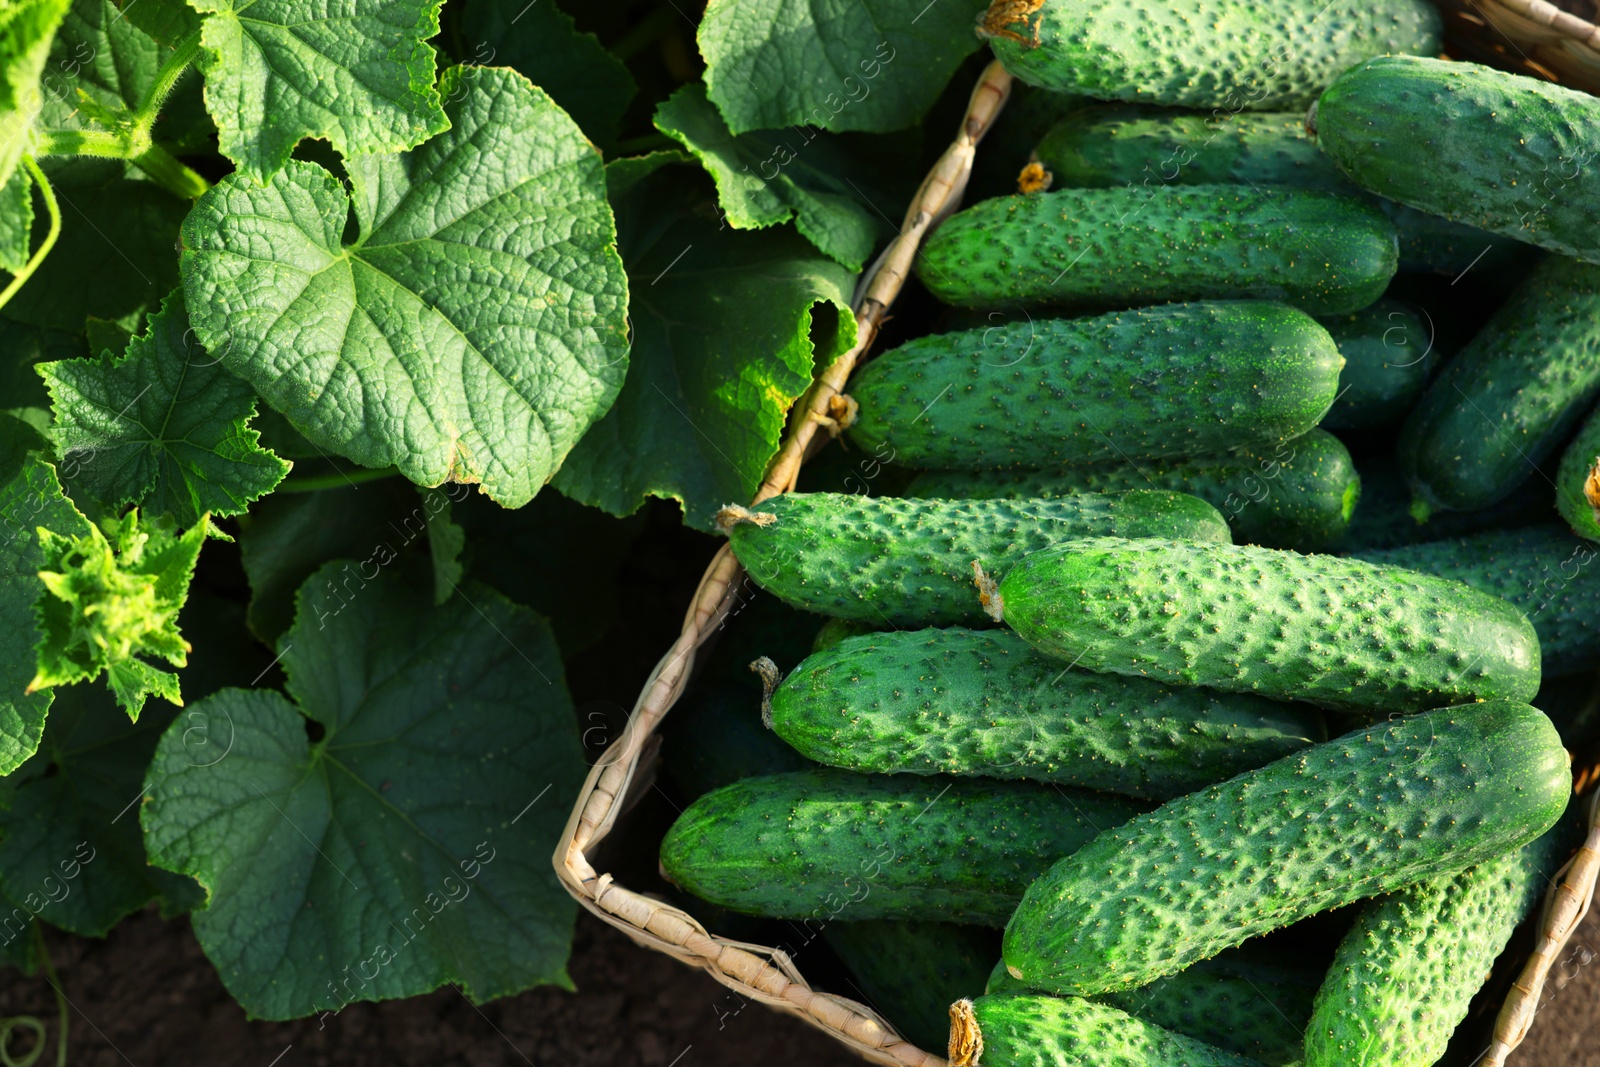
989 593
733 514
1591 488
966 1040
770 677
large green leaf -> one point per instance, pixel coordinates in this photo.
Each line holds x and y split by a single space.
70 847
540 42
409 846
117 253
26 28
356 73
30 498
476 328
873 65
723 344
165 426
766 178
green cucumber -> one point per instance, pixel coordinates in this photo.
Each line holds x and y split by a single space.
1229 54
1370 812
1388 356
1332 631
1498 151
891 562
1511 396
1321 252
1236 1001
1543 570
1407 970
912 971
829 844
1114 145
1383 517
981 702
1151 383
1299 494
1578 480
1030 1030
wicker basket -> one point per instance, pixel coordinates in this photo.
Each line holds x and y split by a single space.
1558 45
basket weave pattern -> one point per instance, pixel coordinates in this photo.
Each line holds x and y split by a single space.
1531 36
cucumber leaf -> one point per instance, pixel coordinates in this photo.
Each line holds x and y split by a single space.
111 605
168 21
407 848
540 42
30 498
358 75
473 331
723 345
766 178
164 426
26 30
70 847
872 65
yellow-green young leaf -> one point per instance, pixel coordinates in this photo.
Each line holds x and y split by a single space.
16 220
873 65
409 846
474 330
111 605
26 27
165 426
727 329
30 498
356 73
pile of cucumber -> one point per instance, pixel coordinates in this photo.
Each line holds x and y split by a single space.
1204 692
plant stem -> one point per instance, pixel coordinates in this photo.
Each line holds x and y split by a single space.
102 143
49 239
167 78
171 174
336 480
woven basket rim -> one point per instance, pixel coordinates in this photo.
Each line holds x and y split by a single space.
1540 13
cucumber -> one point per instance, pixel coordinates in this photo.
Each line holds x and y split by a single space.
1383 517
890 562
1498 151
1116 145
829 844
1578 480
1367 813
1030 1030
1299 494
1406 972
1151 383
975 702
1232 54
1332 631
1511 396
1236 1001
911 971
1388 356
1543 570
1321 252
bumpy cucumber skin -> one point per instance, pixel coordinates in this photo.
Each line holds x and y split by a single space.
1233 1001
1030 1030
1231 54
1333 631
1578 480
829 844
1510 397
1388 356
1298 494
981 702
1372 811
891 562
1501 152
1383 517
1543 570
912 971
1405 973
1169 381
1321 252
